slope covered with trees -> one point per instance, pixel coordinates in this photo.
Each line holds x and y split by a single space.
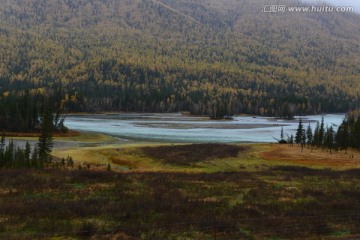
208 57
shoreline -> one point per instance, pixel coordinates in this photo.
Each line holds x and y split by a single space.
69 133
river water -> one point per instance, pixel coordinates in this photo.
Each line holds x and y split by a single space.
175 127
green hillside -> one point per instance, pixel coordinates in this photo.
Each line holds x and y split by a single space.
205 56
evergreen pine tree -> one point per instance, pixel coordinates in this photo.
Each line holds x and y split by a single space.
309 135
316 137
329 138
299 133
45 143
303 140
356 134
342 136
321 132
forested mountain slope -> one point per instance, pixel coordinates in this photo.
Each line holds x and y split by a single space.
216 57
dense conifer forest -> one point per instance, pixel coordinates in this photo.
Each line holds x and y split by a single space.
208 57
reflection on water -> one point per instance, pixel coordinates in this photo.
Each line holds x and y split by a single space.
179 128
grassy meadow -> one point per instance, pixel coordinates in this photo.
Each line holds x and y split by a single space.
180 191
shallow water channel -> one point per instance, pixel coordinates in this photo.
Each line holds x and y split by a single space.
175 127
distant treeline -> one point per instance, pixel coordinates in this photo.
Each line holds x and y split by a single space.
25 112
114 86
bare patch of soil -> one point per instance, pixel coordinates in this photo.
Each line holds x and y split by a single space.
188 154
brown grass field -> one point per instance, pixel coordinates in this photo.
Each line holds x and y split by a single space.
317 157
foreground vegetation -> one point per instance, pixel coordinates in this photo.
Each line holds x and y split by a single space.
282 202
181 191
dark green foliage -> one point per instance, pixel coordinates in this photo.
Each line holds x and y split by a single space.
299 133
18 113
356 133
321 132
348 134
309 135
329 138
14 157
22 113
343 136
45 143
303 139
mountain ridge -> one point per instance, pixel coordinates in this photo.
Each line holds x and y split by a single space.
231 46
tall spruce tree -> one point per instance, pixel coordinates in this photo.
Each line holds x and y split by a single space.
303 140
299 133
329 138
309 135
316 137
342 136
45 143
321 132
356 134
